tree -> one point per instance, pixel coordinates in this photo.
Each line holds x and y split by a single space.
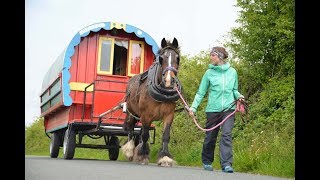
264 41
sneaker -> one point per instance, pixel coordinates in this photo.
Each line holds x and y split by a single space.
207 167
227 169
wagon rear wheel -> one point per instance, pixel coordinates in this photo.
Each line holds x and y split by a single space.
55 144
69 143
114 151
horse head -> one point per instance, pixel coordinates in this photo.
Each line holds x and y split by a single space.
169 58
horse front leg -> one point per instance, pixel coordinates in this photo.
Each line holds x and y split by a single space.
164 156
142 150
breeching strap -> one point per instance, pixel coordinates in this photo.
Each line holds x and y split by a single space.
195 120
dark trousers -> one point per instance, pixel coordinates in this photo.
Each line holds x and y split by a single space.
226 155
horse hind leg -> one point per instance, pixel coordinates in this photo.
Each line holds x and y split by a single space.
128 148
164 157
142 150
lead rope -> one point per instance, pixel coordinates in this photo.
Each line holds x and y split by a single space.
194 118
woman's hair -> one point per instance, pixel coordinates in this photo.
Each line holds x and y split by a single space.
221 51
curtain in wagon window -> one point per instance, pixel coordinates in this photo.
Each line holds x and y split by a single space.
136 58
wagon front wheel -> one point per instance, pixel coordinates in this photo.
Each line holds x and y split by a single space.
69 143
55 144
114 151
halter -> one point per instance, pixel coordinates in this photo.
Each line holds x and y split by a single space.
168 68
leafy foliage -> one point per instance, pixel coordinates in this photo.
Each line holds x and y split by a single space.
264 41
262 51
34 134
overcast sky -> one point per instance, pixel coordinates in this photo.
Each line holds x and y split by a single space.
51 24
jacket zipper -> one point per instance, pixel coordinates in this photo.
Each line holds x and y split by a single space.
223 86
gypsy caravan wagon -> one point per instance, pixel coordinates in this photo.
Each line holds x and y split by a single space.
82 89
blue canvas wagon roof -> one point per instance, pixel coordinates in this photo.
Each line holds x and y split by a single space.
63 62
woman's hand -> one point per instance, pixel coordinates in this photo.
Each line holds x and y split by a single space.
241 105
191 113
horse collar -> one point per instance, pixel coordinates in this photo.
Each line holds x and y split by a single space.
157 92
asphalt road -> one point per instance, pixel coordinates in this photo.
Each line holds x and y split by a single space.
46 168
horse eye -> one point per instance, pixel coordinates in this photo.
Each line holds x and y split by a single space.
160 60
178 60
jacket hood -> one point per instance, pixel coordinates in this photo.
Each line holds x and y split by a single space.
222 67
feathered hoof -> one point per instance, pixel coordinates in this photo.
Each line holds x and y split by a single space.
166 162
140 159
128 149
143 160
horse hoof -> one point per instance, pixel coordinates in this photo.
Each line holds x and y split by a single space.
165 165
141 160
166 162
145 162
128 149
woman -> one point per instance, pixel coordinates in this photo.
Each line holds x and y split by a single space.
221 82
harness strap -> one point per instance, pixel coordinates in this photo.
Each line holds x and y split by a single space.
136 117
143 77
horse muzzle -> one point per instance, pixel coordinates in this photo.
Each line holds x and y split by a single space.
169 77
169 82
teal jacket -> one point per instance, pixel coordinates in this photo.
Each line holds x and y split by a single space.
221 82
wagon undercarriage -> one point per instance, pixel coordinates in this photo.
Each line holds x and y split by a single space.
72 137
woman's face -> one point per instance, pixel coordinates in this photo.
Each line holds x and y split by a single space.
215 60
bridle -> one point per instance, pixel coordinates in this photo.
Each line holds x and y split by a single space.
154 84
169 67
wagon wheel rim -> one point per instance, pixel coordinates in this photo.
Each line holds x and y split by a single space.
50 147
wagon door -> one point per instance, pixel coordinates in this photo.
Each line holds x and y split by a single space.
111 81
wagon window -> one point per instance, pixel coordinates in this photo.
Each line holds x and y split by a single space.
120 57
45 96
105 54
56 87
136 58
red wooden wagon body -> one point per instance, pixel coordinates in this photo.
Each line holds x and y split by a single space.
88 79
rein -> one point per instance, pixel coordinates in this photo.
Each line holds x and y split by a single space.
240 108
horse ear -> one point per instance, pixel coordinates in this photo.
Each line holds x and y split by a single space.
175 42
163 43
